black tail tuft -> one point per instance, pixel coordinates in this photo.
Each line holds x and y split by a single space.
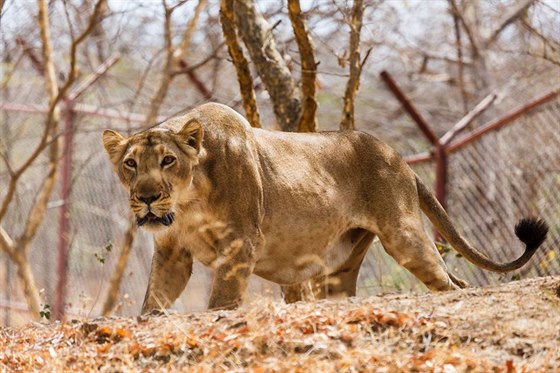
532 231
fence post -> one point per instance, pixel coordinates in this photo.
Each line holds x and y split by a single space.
441 176
64 216
440 155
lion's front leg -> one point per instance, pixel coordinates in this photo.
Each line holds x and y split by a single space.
231 276
171 270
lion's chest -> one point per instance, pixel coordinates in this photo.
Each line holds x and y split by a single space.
201 234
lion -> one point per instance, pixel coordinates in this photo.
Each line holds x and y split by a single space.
292 208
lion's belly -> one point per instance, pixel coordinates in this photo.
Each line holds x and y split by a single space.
292 256
304 229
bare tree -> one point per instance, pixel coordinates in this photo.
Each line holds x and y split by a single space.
479 43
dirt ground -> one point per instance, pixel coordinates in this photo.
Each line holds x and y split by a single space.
513 327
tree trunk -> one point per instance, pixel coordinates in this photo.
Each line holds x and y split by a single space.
353 83
27 278
271 67
308 120
227 18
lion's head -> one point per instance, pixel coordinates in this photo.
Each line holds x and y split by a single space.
155 166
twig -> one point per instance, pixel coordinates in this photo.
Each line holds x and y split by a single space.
460 63
118 273
472 37
98 73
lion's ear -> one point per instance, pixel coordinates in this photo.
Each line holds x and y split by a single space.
192 133
114 144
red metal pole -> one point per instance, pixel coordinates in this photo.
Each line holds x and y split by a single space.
64 217
441 174
409 107
440 155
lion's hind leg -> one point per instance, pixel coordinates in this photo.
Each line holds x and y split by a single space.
407 242
458 281
342 282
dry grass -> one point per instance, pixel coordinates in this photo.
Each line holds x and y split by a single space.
508 328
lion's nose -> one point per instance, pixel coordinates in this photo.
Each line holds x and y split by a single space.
150 198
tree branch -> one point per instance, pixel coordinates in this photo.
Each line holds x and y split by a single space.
173 57
227 18
308 120
6 242
161 91
468 118
30 53
472 37
509 18
460 63
188 34
353 83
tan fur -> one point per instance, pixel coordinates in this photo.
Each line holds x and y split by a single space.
287 207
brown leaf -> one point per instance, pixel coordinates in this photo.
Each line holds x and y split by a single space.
510 366
104 348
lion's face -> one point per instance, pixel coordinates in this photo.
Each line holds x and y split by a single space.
156 167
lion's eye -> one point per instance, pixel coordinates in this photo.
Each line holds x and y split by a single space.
130 163
167 160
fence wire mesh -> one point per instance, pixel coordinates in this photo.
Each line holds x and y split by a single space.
493 182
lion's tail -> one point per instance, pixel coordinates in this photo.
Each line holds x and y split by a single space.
531 231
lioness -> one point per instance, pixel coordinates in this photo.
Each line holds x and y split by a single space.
288 207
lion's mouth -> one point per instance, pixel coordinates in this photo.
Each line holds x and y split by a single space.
152 219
